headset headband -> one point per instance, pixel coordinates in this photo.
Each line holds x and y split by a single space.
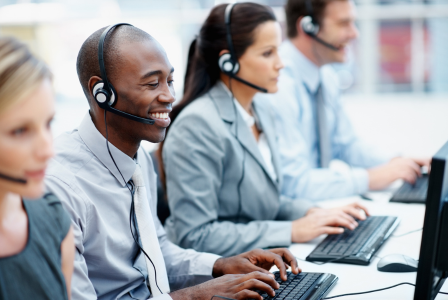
106 85
227 16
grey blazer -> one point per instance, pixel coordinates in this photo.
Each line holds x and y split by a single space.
203 157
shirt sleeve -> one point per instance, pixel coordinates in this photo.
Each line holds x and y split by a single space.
300 179
82 288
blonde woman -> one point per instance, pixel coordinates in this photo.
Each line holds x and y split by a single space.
36 240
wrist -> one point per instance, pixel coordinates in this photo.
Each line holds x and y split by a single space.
218 267
312 210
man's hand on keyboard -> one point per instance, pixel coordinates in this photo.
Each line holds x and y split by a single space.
257 260
233 286
404 168
320 221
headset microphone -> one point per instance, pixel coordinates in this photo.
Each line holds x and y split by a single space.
227 62
103 91
311 27
16 180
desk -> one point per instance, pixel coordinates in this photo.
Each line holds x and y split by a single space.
353 278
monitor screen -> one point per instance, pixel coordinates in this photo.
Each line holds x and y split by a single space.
433 262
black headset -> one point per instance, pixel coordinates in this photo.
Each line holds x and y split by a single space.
228 63
103 91
13 179
311 27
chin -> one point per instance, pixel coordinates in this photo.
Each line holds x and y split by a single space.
33 191
157 138
273 89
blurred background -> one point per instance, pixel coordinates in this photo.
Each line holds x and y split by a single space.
395 83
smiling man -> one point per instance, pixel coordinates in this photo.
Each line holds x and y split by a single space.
313 127
122 251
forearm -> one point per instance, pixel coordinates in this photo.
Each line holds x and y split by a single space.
321 184
228 238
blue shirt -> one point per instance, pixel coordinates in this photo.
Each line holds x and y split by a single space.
295 109
108 263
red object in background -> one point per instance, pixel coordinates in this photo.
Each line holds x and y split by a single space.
396 52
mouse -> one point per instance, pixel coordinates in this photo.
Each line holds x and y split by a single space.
397 263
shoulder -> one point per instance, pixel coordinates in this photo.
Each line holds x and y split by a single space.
201 110
49 213
200 118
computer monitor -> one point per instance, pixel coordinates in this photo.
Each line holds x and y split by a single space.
433 263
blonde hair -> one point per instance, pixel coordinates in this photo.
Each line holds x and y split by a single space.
20 72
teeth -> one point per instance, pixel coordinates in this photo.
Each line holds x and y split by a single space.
159 115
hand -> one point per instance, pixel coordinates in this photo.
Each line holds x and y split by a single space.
234 286
327 221
407 169
257 260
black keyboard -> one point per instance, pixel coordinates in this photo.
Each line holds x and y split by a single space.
303 286
412 193
355 246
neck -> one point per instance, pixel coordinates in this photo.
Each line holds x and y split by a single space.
243 94
305 45
124 142
9 202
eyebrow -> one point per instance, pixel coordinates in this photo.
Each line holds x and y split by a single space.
156 72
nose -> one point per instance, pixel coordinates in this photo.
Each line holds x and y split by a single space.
279 63
354 32
44 144
167 95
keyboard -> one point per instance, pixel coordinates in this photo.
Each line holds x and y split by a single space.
412 193
356 246
303 286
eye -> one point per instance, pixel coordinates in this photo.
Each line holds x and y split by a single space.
19 131
170 82
267 53
154 85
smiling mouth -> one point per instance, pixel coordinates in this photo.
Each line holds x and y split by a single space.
162 116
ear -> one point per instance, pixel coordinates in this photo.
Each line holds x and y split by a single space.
223 52
298 27
92 81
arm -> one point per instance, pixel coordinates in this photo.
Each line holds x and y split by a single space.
194 158
81 287
300 178
68 256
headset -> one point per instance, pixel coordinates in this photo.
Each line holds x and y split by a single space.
228 63
103 91
310 26
13 179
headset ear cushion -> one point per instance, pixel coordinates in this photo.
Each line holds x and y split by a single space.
308 26
226 65
101 95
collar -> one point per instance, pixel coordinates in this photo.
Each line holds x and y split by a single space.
248 119
310 73
96 143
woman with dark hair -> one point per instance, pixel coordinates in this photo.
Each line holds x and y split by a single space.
220 157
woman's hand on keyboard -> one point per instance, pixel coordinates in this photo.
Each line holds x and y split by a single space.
320 221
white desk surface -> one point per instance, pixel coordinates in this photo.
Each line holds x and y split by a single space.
353 278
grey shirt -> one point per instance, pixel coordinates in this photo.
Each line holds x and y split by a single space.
222 197
108 263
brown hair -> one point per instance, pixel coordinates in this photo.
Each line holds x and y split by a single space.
20 72
295 9
202 67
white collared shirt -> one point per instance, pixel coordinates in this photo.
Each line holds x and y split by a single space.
108 264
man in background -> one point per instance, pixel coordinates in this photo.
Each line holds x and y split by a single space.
312 125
